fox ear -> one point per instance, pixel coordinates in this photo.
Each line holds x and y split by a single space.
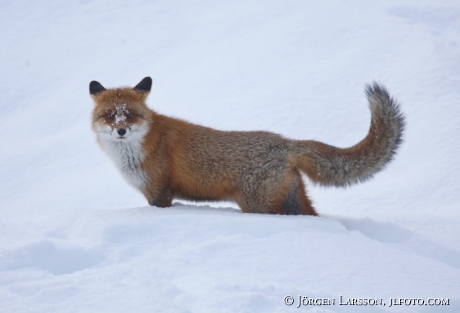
145 85
95 87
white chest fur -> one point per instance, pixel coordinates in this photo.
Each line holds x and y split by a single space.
128 156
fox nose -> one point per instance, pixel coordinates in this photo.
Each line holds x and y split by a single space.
121 131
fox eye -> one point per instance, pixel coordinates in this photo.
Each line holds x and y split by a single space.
110 116
130 115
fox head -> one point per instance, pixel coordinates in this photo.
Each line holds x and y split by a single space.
120 114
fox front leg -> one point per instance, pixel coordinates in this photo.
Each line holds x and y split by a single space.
163 200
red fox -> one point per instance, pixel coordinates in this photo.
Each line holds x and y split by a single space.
167 158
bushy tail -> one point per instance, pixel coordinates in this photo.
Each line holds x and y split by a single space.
328 165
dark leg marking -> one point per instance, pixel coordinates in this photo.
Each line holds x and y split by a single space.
292 204
296 201
164 200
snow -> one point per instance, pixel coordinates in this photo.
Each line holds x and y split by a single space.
75 237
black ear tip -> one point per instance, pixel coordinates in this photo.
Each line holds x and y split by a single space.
95 87
145 85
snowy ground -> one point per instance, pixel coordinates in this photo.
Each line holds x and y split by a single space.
74 237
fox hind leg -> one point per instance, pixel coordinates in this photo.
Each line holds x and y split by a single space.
296 201
286 197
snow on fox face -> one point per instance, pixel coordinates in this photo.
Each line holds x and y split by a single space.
120 114
119 122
